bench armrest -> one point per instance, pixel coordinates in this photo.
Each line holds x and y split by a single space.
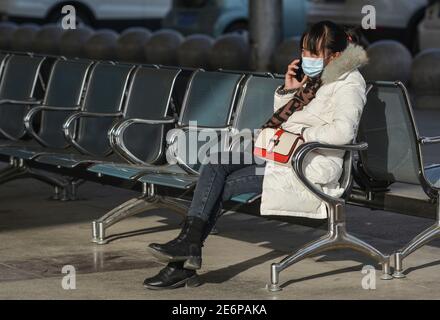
173 136
172 151
120 127
429 140
305 149
69 134
222 128
30 102
28 119
116 135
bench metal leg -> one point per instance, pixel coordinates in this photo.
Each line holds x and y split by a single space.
419 241
8 171
15 173
336 238
73 188
12 168
149 200
59 194
61 186
20 171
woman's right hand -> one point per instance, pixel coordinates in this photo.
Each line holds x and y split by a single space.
290 80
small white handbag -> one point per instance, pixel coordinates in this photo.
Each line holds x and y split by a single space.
277 145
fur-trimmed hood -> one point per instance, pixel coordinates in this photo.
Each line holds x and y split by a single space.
351 58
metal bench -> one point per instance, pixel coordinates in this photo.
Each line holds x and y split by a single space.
113 132
3 59
19 78
17 89
395 155
209 100
149 97
86 130
254 107
337 236
62 97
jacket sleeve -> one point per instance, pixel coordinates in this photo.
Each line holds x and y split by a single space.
350 99
281 99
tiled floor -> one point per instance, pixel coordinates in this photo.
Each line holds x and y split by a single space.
39 237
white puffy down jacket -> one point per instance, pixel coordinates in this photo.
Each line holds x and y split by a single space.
332 117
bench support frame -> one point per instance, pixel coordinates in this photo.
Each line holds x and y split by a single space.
147 201
430 234
63 189
337 237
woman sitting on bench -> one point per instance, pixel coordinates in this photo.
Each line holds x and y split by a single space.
324 105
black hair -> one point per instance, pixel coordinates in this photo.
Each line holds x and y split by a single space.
327 35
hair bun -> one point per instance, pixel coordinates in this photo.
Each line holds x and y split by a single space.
353 35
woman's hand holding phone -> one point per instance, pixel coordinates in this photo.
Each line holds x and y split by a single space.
291 81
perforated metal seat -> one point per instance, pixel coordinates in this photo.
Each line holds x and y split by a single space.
17 89
26 150
200 88
257 100
62 98
70 161
132 172
171 176
246 198
209 100
86 130
395 155
433 175
337 236
3 58
143 87
128 136
254 109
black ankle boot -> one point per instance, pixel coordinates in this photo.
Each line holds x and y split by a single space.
171 277
187 247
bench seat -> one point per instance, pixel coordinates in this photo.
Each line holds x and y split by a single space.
28 151
168 176
433 175
246 198
69 160
128 171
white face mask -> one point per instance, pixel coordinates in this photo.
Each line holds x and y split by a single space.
312 67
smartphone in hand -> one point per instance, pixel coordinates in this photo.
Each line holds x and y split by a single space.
299 72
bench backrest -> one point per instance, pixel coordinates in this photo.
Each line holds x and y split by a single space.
64 90
256 101
149 97
18 82
255 107
3 59
105 94
388 126
209 98
209 101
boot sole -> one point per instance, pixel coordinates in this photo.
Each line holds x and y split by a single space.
190 282
192 263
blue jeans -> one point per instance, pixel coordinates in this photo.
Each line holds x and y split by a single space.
220 182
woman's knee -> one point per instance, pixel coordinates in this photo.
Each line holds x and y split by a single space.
228 158
209 168
241 185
